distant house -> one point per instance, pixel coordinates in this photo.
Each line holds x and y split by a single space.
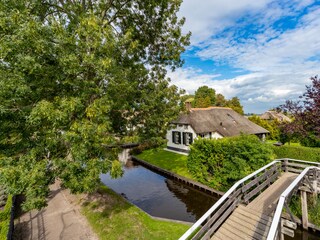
213 123
273 115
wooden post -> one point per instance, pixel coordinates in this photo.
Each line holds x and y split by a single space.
281 235
315 187
304 209
285 163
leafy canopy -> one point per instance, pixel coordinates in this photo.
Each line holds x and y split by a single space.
76 76
306 115
206 97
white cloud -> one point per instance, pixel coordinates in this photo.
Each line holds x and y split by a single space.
280 59
205 18
257 92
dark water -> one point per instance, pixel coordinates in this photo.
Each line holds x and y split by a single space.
299 234
166 198
158 195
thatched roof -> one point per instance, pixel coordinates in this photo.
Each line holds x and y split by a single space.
225 121
271 115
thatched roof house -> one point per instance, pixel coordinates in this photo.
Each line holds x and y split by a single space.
212 122
273 115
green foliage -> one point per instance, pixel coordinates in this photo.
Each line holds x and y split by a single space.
75 77
313 209
115 218
220 163
5 215
220 100
234 103
271 126
297 152
204 97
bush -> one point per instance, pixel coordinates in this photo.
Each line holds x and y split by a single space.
220 163
297 152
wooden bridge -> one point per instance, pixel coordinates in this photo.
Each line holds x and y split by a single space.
253 207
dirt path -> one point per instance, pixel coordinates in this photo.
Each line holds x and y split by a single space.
61 219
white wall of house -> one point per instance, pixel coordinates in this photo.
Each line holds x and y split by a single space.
210 135
216 135
180 128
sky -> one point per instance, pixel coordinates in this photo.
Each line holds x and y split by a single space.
262 51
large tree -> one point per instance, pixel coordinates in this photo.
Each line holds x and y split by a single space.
204 97
76 76
306 115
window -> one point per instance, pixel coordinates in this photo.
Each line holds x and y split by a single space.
185 126
202 135
176 137
187 138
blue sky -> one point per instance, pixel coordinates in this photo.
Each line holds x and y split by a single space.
262 51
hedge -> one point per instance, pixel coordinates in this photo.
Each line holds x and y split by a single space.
220 163
297 152
5 215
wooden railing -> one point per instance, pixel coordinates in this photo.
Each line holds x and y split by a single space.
309 176
242 191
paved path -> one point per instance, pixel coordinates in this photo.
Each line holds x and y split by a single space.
60 220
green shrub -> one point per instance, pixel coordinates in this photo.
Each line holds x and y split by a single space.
297 152
5 218
220 163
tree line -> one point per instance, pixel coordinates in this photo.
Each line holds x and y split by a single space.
205 97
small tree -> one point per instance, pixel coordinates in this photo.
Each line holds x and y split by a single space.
234 103
271 126
306 115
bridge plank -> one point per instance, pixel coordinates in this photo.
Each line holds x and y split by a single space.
266 202
253 221
247 228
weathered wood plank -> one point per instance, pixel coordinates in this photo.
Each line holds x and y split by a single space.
260 178
287 231
221 219
289 224
299 165
294 170
248 228
304 210
218 213
254 192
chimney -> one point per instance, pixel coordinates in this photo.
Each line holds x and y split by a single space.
188 105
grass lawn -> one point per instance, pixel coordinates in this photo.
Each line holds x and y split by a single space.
170 161
111 217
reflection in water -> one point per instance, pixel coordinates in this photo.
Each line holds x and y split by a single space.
158 195
299 234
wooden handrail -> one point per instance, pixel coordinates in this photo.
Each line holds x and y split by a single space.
219 203
274 229
222 201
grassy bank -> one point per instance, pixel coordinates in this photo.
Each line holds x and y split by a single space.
313 209
170 161
112 217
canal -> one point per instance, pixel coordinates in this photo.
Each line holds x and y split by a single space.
158 195
166 198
